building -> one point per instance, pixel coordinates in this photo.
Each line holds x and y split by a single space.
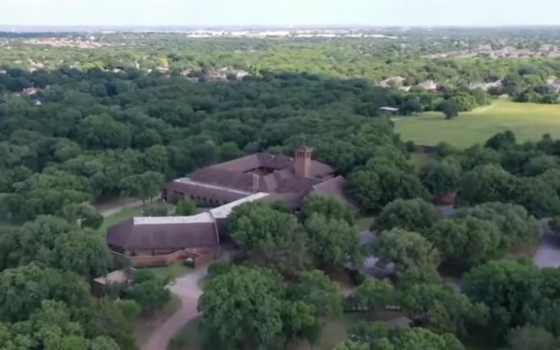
388 110
120 278
223 183
158 241
153 241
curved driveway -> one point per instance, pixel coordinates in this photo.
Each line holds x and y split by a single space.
187 289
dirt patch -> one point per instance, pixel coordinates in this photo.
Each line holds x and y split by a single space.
342 278
146 325
528 250
365 222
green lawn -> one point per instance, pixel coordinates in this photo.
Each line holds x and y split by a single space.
118 217
527 120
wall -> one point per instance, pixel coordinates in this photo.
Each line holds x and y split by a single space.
200 257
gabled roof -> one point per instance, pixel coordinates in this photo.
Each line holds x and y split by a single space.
162 233
235 174
223 211
335 187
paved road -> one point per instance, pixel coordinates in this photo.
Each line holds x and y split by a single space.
548 254
187 289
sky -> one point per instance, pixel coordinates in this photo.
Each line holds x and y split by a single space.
279 12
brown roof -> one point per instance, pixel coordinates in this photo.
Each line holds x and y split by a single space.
335 187
236 174
285 181
132 235
223 195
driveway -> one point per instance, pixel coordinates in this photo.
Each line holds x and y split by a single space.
548 253
187 289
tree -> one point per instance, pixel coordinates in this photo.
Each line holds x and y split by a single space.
449 109
501 141
155 209
478 156
317 289
510 289
441 309
412 214
409 251
332 242
486 183
243 305
554 224
411 106
373 189
540 164
441 178
517 226
373 295
185 207
383 336
104 319
53 242
51 327
144 186
330 207
269 236
23 289
537 196
85 214
311 300
466 241
350 345
531 338
149 291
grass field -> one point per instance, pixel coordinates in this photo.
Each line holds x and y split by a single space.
118 217
527 120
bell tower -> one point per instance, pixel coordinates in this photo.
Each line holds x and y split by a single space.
302 162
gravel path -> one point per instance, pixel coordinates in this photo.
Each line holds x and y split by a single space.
548 254
187 289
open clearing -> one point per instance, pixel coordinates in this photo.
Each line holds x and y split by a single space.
528 121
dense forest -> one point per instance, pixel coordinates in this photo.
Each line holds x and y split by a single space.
109 128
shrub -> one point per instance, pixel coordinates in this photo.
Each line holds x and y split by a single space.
356 277
189 262
179 342
218 267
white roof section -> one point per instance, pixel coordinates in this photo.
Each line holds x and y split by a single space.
214 187
390 109
118 276
162 220
224 211
202 218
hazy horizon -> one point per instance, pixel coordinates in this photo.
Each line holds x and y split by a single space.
276 13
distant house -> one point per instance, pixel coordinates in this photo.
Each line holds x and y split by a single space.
428 85
28 92
554 86
389 110
478 85
392 82
120 278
